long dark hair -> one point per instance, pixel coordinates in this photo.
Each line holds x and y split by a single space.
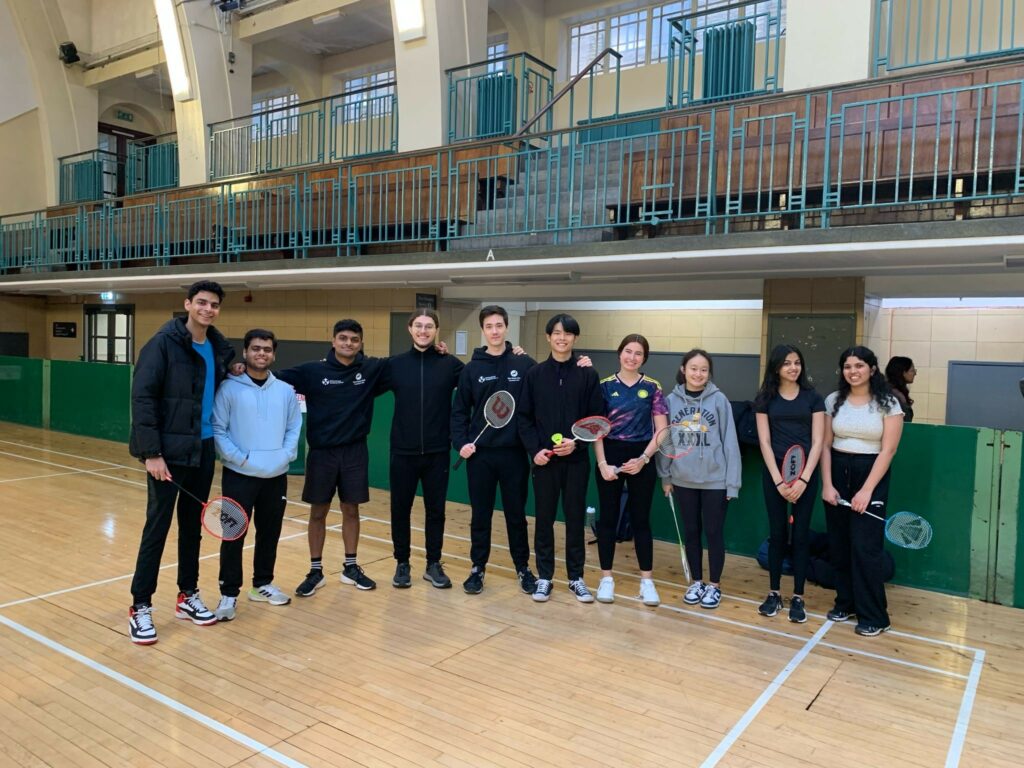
638 339
894 371
770 385
681 377
879 388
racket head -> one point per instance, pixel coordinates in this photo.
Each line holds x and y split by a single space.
225 519
793 463
591 428
907 530
499 409
677 440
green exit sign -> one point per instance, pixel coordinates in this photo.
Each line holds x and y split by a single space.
125 116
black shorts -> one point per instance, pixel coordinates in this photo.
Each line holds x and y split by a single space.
344 469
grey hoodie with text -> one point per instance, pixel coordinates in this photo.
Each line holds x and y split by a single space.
713 460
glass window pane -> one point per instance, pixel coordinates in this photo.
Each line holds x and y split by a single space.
121 325
121 350
101 324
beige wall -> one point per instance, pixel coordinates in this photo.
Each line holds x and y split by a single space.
21 314
21 158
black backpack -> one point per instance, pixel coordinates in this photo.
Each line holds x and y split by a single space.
746 424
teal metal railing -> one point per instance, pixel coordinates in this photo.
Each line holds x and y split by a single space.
714 168
724 52
357 123
92 175
152 163
497 97
916 33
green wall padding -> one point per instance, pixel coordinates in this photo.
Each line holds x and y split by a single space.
92 399
21 390
1018 579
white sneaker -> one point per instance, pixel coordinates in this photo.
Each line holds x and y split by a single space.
648 593
712 597
579 588
606 590
695 593
269 593
226 609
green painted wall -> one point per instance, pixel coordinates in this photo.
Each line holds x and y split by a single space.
21 390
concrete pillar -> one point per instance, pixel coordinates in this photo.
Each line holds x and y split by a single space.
68 110
455 32
221 89
827 42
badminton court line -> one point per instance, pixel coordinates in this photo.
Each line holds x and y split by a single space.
748 717
224 730
910 636
956 745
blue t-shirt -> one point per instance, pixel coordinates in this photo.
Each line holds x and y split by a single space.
205 351
631 409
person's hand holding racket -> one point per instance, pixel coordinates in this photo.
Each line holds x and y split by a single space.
497 411
830 495
859 502
564 447
222 517
157 468
791 485
632 467
608 472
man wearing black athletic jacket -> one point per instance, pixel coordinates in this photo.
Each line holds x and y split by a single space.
339 392
422 379
556 394
498 457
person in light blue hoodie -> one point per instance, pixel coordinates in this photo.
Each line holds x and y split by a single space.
256 427
705 474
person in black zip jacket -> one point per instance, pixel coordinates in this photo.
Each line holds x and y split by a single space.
556 394
339 392
172 402
422 380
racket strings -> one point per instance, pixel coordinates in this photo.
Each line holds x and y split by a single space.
225 518
908 530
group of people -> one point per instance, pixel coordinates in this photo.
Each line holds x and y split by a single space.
190 402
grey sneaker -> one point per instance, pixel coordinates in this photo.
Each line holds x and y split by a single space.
269 593
435 575
402 578
226 608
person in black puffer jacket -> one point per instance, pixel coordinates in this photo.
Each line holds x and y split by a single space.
172 401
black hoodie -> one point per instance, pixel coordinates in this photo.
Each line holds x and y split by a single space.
484 375
423 384
556 395
167 394
339 398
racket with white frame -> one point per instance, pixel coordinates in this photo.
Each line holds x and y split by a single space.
679 536
498 411
222 517
678 439
793 463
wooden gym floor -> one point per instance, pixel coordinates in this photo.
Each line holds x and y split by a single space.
425 677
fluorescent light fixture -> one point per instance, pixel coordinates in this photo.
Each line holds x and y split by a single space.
174 49
323 18
107 296
409 19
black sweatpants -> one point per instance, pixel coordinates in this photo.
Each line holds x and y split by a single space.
264 498
408 472
703 512
856 542
640 488
159 512
486 471
778 527
568 480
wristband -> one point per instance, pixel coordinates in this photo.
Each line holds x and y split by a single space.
781 482
802 480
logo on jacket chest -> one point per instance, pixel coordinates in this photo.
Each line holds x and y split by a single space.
483 379
513 376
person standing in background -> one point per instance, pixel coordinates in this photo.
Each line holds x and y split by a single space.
899 373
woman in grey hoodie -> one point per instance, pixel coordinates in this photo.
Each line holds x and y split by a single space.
706 476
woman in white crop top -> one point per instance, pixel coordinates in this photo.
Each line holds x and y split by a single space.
863 423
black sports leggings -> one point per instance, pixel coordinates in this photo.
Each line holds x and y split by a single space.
778 527
638 504
703 511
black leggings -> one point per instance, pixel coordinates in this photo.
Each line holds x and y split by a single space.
703 511
778 526
640 488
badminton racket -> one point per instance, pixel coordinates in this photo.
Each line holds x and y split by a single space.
498 411
679 536
793 463
678 439
589 429
904 529
222 517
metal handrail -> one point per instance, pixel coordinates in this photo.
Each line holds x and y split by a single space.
522 54
568 87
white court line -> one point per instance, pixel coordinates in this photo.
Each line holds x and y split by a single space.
97 472
956 745
182 709
43 477
748 717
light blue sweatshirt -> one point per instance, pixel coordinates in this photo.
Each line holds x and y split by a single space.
714 461
256 428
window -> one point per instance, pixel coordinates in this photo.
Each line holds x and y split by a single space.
275 114
110 333
497 46
585 42
661 29
375 100
629 37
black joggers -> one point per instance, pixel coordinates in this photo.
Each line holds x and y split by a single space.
486 471
264 498
408 472
568 480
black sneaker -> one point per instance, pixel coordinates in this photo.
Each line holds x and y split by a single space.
870 630
771 605
527 581
474 584
313 581
353 574
402 578
837 615
543 591
797 613
435 575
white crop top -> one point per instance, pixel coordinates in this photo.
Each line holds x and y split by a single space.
858 428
